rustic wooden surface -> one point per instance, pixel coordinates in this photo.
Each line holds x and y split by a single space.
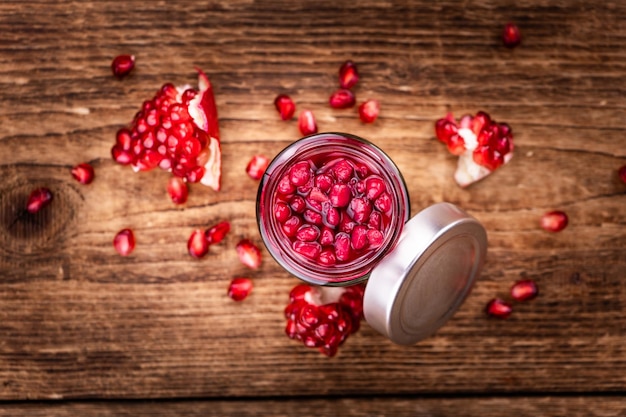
79 322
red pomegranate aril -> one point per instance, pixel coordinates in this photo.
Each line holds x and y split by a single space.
312 217
309 250
282 211
375 221
374 187
177 190
369 110
383 203
621 173
524 290
554 221
124 242
343 170
121 156
122 65
445 128
327 237
290 227
38 199
308 233
285 186
456 145
217 233
298 204
285 106
348 75
340 195
249 254
327 258
197 244
375 238
359 237
307 123
257 166
332 217
360 209
300 174
342 99
498 308
342 246
511 36
240 288
323 182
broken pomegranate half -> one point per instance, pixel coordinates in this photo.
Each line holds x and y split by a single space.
324 317
482 145
177 130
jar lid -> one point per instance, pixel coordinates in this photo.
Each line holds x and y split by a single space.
421 283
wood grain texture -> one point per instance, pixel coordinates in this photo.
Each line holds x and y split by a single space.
78 321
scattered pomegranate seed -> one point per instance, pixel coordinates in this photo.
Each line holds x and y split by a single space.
83 173
524 290
511 35
38 199
249 254
622 173
306 123
285 106
554 221
217 233
257 166
498 308
240 288
368 111
324 317
124 242
122 65
197 244
342 99
178 190
348 75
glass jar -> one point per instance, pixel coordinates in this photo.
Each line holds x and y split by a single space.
333 209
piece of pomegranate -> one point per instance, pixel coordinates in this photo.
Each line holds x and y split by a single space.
38 199
217 233
257 166
285 106
122 65
348 75
368 111
622 173
324 317
124 242
511 36
177 130
498 308
554 221
178 190
524 290
197 245
342 99
307 123
482 144
83 173
249 254
239 288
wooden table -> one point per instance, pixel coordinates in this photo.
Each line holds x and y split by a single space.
84 331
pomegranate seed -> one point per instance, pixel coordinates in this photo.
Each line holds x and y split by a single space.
122 65
359 237
239 288
511 35
308 233
368 111
197 244
217 233
285 106
124 242
38 199
622 173
342 99
257 166
348 75
524 290
339 195
300 174
360 209
83 173
554 221
249 254
498 308
375 238
178 190
342 246
282 212
309 250
290 227
306 123
298 204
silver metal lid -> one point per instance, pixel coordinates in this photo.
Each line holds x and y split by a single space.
421 283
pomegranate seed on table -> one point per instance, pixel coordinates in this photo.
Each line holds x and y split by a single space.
342 99
285 106
498 308
239 288
511 36
554 221
122 65
124 242
524 290
307 123
249 254
622 173
178 190
257 166
197 244
83 173
38 199
368 111
217 233
348 75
